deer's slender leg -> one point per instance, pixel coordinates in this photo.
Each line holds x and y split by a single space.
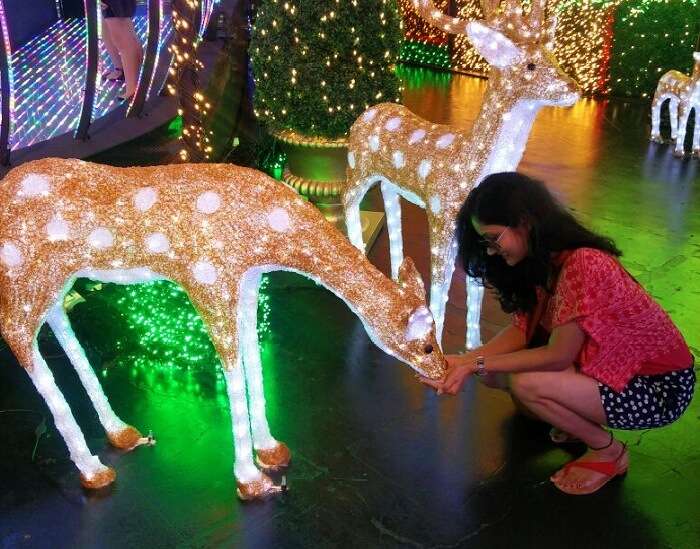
354 194
252 484
696 132
93 474
119 433
443 252
656 116
673 116
475 296
270 454
682 125
392 208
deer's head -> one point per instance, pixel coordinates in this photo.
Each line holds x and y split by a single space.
518 47
413 340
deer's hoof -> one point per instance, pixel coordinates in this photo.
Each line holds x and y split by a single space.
126 439
678 153
99 480
273 459
262 488
656 139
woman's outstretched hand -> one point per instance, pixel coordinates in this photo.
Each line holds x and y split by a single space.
459 368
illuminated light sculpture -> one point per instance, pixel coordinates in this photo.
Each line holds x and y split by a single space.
683 95
213 229
435 166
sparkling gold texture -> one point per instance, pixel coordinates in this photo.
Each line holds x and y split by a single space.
259 489
275 458
99 480
126 439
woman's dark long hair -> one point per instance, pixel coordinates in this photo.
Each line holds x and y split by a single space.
511 199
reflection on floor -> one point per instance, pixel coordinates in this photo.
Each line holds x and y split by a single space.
48 80
379 461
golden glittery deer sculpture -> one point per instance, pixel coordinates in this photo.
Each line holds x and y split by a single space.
683 94
214 229
435 166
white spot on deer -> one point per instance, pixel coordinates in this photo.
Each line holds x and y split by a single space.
278 219
10 255
204 272
351 159
208 202
424 168
157 243
419 323
399 160
435 204
416 136
101 238
57 229
445 141
145 198
35 185
393 124
369 115
374 143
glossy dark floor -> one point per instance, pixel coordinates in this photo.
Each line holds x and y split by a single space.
379 460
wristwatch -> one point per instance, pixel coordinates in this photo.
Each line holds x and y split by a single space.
479 366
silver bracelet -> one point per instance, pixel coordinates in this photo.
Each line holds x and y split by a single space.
480 366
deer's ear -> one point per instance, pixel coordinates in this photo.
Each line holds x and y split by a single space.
410 279
420 322
493 45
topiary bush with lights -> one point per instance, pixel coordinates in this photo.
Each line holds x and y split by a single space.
318 64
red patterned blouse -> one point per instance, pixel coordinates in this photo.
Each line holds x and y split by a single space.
627 332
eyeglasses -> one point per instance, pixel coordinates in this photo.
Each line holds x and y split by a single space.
493 243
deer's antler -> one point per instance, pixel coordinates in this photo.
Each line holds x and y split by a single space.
428 11
511 19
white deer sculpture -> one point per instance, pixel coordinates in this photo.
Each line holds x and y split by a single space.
683 94
214 230
435 166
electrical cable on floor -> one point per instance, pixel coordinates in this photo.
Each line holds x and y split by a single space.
40 429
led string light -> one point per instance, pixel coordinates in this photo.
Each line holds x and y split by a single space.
184 79
424 44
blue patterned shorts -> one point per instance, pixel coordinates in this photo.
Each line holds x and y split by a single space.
649 401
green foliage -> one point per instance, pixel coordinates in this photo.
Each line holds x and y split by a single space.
652 37
318 64
427 55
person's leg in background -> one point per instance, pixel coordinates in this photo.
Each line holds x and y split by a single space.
117 72
123 34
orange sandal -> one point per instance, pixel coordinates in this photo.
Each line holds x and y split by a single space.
610 470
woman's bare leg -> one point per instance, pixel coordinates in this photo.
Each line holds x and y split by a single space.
124 36
112 50
571 402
